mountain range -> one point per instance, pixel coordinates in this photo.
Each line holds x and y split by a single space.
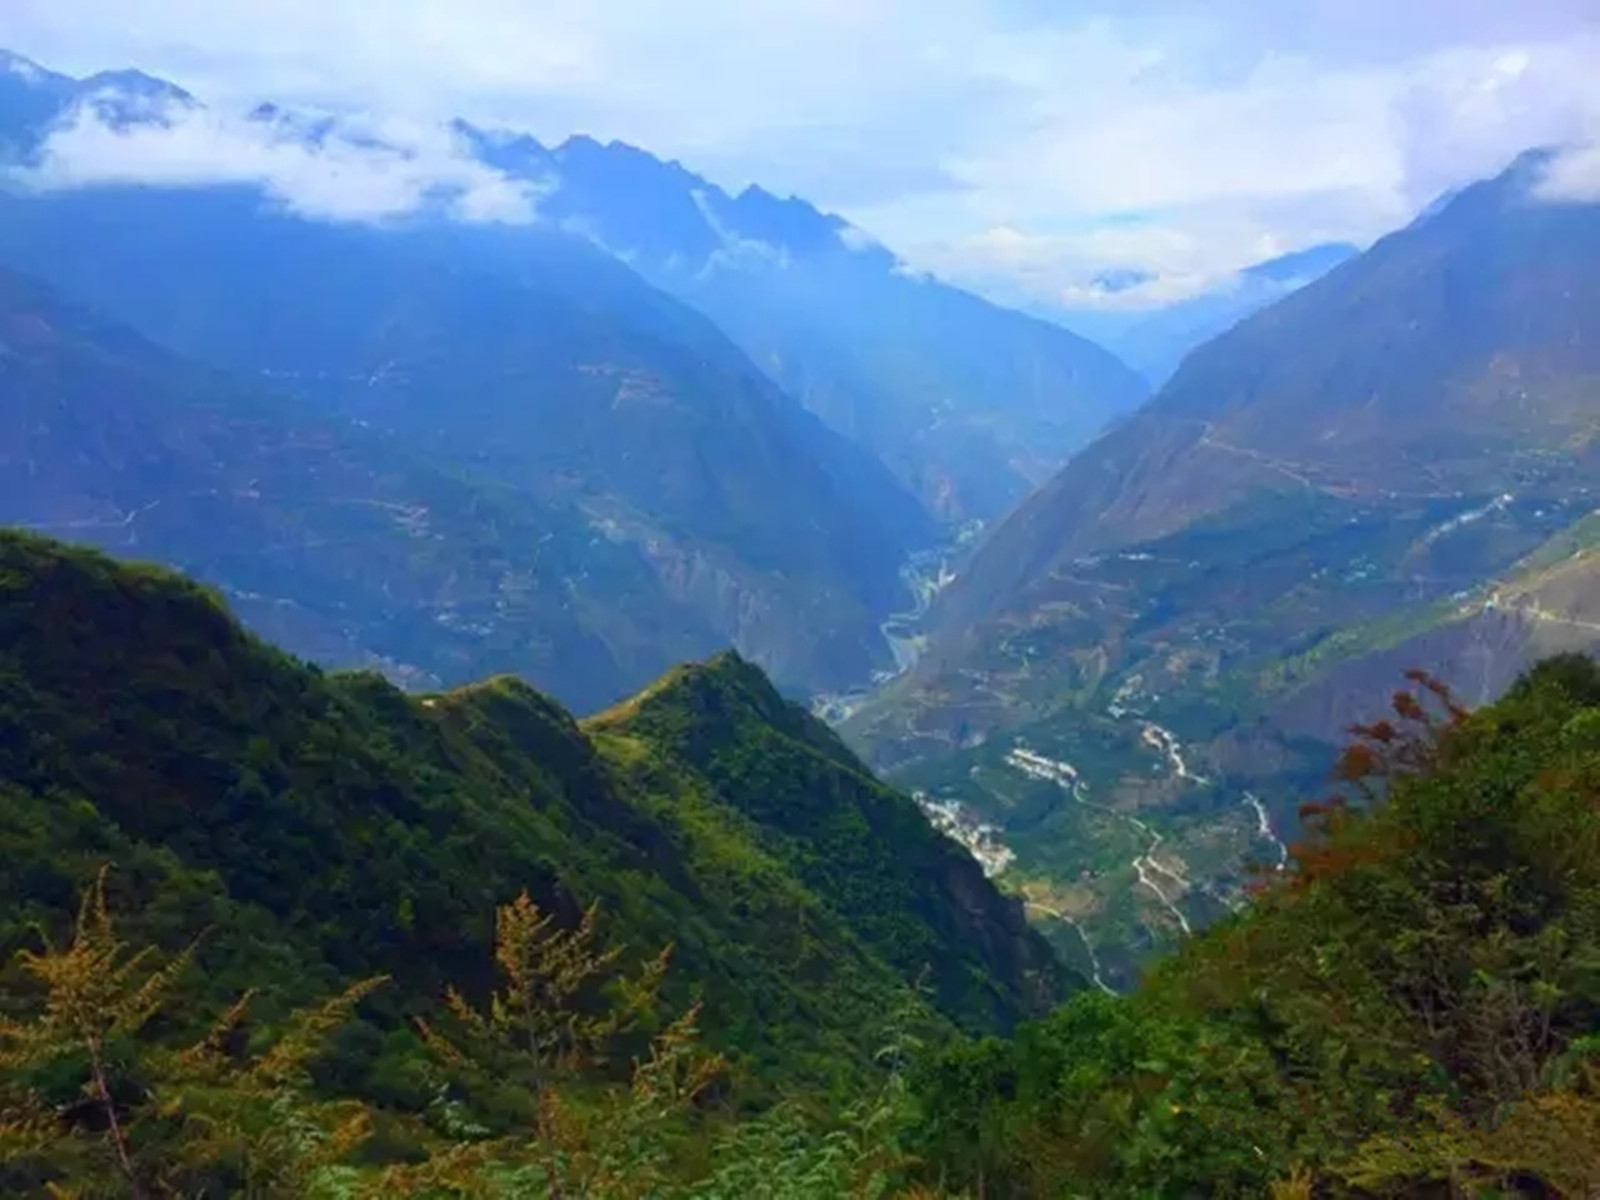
559 426
1391 468
654 418
525 364
569 367
970 404
967 403
325 533
566 381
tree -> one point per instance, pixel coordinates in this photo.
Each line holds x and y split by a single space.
86 1096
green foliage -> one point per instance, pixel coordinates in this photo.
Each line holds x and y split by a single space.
1412 1011
92 1104
328 828
96 1100
810 804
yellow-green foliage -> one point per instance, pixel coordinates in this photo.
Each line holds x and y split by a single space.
95 1101
92 1104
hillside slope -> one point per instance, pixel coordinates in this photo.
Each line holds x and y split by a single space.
919 900
1323 497
332 826
1407 1010
1449 361
327 536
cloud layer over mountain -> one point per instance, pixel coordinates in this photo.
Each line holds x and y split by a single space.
363 170
1024 146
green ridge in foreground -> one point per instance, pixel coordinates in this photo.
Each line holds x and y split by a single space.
329 827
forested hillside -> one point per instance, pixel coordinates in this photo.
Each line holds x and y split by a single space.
328 828
425 938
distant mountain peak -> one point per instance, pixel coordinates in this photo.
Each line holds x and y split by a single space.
1516 182
25 68
581 142
626 159
788 222
131 82
500 139
126 98
1536 158
588 144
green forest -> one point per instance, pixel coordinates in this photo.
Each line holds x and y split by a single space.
269 931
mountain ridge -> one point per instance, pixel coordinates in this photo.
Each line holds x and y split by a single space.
968 403
1180 420
878 352
351 827
1335 491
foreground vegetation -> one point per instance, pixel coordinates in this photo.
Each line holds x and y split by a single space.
99 1097
1412 1010
272 933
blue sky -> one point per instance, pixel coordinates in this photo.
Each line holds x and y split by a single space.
1024 146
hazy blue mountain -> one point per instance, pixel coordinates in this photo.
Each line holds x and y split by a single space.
970 404
30 97
527 357
337 540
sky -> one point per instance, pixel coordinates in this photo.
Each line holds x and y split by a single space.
1026 147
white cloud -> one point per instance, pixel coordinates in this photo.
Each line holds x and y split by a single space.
736 250
1191 180
364 170
1171 260
853 237
1224 128
1573 176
